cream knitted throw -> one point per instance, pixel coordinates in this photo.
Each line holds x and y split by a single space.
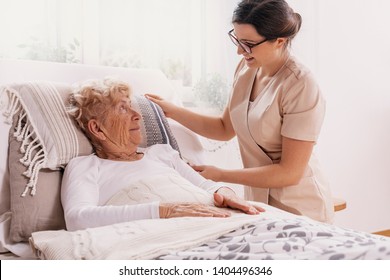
143 239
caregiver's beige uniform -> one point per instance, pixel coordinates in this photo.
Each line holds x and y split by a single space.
292 106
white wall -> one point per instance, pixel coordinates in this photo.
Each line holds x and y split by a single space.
347 45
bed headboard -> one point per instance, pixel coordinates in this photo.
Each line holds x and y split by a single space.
141 80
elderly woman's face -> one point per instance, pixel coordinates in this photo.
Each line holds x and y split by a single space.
122 125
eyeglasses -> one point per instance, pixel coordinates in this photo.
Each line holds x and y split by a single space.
245 46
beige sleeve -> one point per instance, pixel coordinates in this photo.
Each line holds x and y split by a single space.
303 108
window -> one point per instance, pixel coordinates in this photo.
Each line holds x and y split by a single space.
186 39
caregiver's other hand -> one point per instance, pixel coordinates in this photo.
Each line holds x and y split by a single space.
168 107
226 197
175 210
209 172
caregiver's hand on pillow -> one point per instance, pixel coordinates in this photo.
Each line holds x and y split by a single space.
175 210
168 107
226 197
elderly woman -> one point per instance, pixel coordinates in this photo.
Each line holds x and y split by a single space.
103 111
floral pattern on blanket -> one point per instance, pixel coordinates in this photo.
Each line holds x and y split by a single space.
297 238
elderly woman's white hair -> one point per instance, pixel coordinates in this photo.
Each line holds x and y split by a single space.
92 98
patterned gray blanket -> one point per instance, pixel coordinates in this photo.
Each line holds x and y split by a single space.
290 238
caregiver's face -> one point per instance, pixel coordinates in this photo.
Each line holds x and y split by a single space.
254 47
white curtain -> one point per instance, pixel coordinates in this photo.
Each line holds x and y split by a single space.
187 39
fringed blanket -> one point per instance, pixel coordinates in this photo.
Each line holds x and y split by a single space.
46 132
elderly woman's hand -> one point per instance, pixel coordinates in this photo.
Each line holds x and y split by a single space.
175 210
226 197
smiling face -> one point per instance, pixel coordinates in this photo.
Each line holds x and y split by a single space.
266 54
247 34
102 109
121 127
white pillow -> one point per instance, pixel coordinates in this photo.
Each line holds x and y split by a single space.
191 148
